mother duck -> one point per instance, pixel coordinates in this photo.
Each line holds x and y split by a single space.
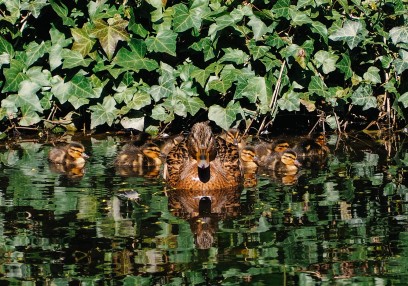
203 162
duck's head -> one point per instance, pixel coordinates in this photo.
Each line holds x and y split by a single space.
76 150
201 144
289 158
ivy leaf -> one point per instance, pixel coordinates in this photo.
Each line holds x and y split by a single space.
60 89
372 75
234 55
193 104
401 64
14 76
258 27
290 101
184 19
62 12
73 59
34 51
363 96
83 43
320 29
318 87
281 9
110 33
103 113
351 33
160 113
6 47
257 52
344 65
327 60
82 87
219 85
34 6
224 117
201 76
164 42
29 118
58 42
404 99
399 34
135 59
139 100
299 18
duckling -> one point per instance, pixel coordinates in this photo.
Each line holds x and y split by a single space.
265 150
249 164
147 155
315 146
168 143
233 136
71 155
285 163
203 161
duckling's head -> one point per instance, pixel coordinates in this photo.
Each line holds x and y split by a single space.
151 150
248 155
201 144
233 136
289 158
320 139
280 146
76 150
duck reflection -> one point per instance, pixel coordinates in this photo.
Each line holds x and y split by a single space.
204 210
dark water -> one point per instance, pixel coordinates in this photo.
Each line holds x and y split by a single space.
342 221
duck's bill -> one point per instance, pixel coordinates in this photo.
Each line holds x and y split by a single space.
203 159
85 156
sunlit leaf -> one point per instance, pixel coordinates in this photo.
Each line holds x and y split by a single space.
62 12
321 29
6 47
290 101
219 85
363 96
139 100
224 117
318 87
327 60
61 89
134 60
103 113
344 65
110 33
351 33
404 99
34 6
29 118
58 42
73 59
299 18
281 9
81 87
234 55
258 27
34 51
185 19
399 34
372 75
401 64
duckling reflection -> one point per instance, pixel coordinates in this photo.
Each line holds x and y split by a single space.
249 163
204 210
68 159
313 152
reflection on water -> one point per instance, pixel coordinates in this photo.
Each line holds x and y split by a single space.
340 221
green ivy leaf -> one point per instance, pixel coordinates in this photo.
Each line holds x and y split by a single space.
224 117
34 51
135 60
83 43
103 113
159 113
61 89
399 34
110 33
344 65
58 42
290 101
219 85
193 104
363 96
299 18
234 55
320 29
327 60
258 27
29 118
139 100
372 75
62 12
34 6
73 59
14 76
404 99
351 33
257 52
318 87
164 42
281 9
401 64
185 19
81 90
6 47
201 76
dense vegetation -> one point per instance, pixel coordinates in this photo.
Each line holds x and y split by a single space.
145 64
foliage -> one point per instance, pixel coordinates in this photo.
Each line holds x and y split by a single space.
158 61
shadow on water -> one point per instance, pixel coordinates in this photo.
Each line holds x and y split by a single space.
341 220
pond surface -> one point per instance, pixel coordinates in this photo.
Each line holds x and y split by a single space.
341 221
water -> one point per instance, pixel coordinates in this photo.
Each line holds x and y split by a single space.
339 222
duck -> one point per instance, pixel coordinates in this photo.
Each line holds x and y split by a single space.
203 162
314 146
71 155
249 163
